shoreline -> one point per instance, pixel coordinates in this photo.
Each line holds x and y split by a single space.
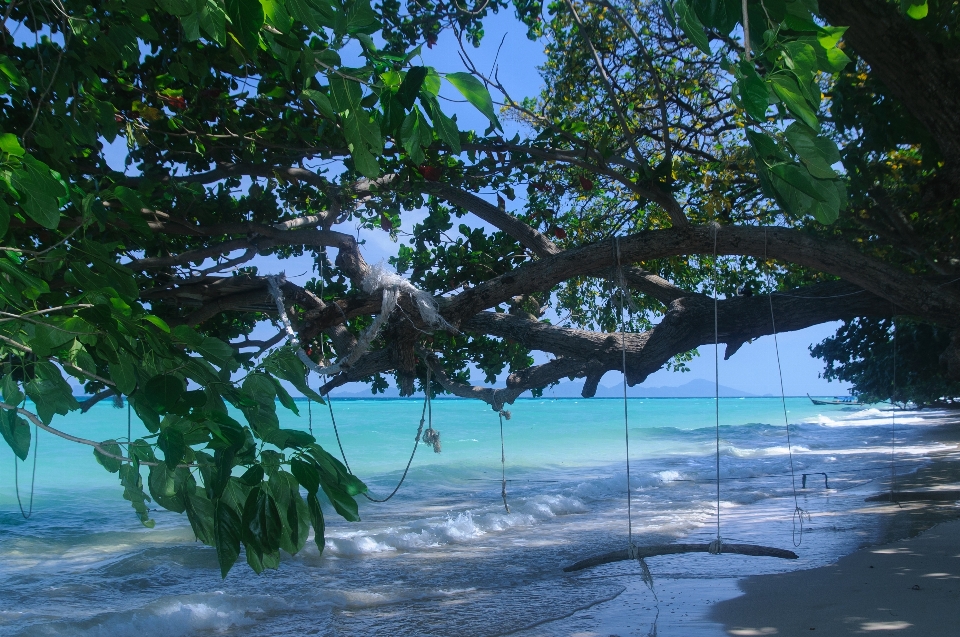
709 598
910 587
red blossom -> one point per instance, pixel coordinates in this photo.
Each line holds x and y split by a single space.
430 173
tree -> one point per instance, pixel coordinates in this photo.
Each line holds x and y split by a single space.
662 160
903 369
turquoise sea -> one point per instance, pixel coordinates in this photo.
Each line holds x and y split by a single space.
444 557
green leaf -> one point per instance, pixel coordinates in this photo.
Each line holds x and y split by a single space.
320 101
445 127
817 153
316 519
829 36
4 218
164 391
284 397
129 198
284 363
124 374
916 10
10 145
754 96
342 502
475 93
262 524
200 514
39 192
227 533
289 438
431 83
410 87
801 58
361 132
16 432
11 390
415 134
247 19
306 474
173 446
836 60
50 392
799 179
301 10
30 286
787 89
157 322
133 491
218 353
293 511
110 464
163 484
691 25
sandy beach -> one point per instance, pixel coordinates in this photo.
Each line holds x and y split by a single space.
910 587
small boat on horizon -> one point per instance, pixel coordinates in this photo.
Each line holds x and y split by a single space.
836 400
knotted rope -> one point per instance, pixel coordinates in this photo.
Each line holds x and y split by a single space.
378 279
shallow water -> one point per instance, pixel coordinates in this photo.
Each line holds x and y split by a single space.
444 557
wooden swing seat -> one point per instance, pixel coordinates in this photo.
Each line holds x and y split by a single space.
674 549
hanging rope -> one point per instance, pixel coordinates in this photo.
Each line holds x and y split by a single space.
431 436
893 420
272 281
633 551
502 413
798 513
310 414
716 547
416 443
33 479
626 417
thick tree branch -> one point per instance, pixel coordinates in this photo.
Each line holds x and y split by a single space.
910 294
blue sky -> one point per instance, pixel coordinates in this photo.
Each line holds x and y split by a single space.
752 369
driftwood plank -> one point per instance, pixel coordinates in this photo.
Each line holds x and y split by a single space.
916 496
673 549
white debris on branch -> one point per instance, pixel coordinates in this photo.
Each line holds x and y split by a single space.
379 279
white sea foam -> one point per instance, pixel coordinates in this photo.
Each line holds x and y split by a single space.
871 417
214 612
461 528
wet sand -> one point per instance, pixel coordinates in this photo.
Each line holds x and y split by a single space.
909 587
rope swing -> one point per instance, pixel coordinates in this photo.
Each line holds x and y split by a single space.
717 546
434 435
503 414
798 513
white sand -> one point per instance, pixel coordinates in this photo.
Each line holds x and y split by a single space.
910 587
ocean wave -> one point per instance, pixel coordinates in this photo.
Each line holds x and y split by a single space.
462 528
214 612
760 452
871 417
